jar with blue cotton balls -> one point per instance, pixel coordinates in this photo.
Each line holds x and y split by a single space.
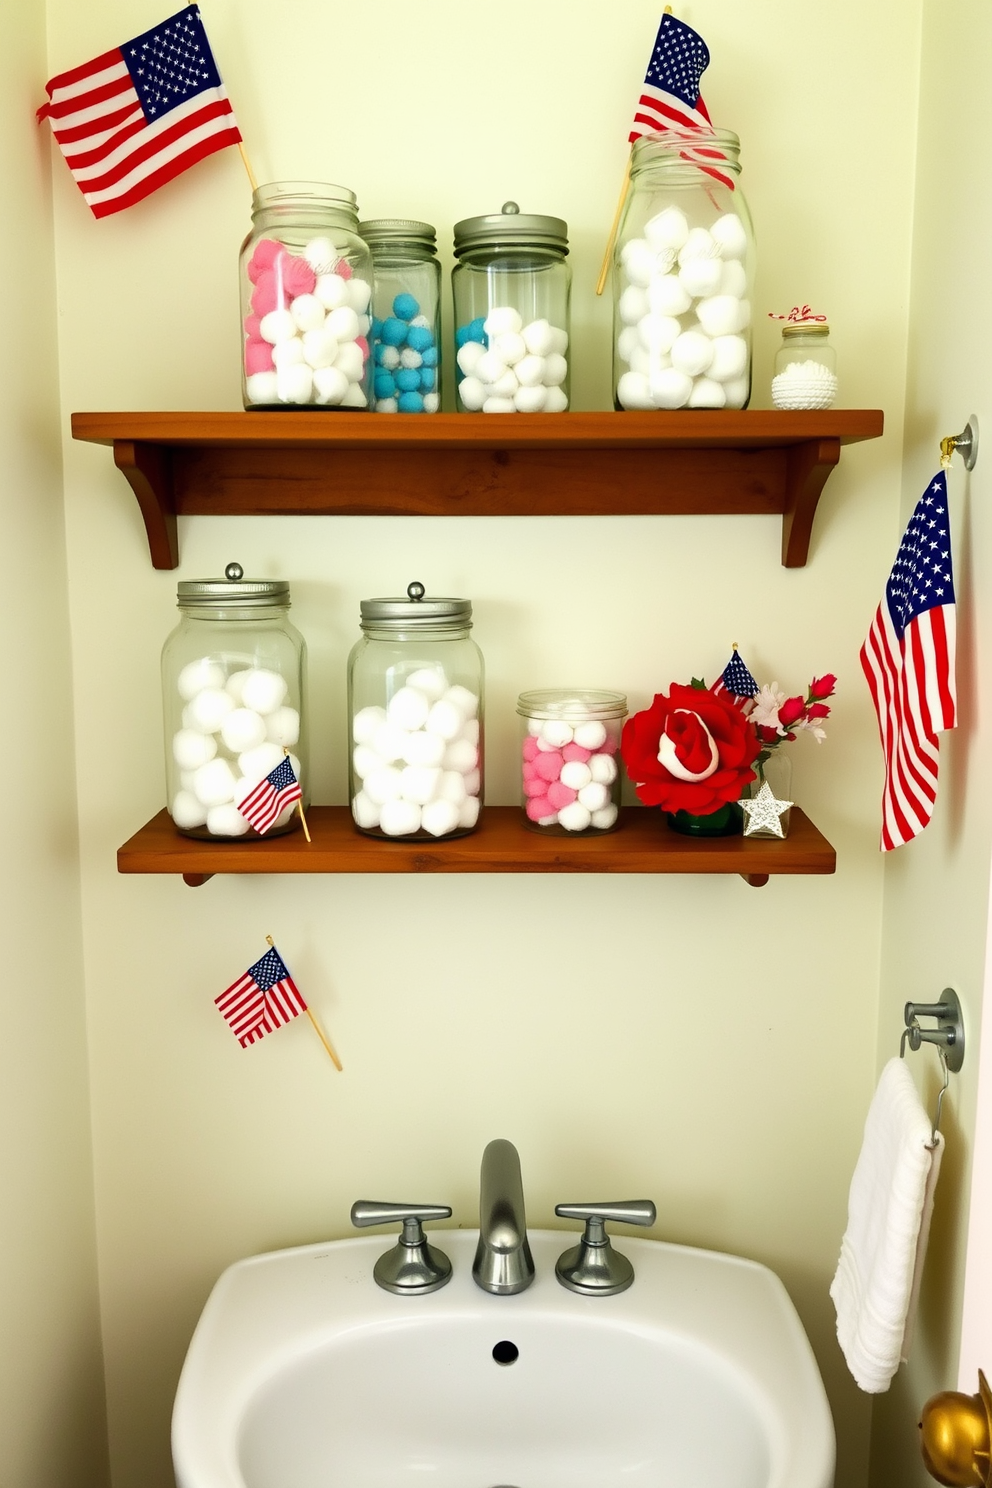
406 315
512 290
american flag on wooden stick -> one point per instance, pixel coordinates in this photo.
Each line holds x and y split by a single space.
908 659
279 789
262 1000
139 115
670 100
736 680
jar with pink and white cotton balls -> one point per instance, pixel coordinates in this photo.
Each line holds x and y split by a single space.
306 290
569 759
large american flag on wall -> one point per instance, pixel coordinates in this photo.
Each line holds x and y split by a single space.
908 659
141 114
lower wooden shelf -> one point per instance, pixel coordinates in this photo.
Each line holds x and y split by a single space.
500 844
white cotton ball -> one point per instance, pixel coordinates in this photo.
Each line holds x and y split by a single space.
278 325
355 396
511 347
209 708
197 675
264 691
331 290
632 305
556 732
468 356
648 362
429 680
389 742
473 782
236 682
213 783
627 341
529 371
699 244
364 760
262 387
707 394
639 260
667 229
321 255
332 386
186 779
729 358
729 234
723 315
556 401
490 366
603 768
408 708
421 748
605 817
187 811
670 388
422 322
499 405
667 295
359 294
419 783
464 699
399 818
243 729
256 763
432 402
318 348
737 392
471 730
411 359
191 749
692 353
532 399
283 726
559 340
733 278
594 796
308 312
701 276
295 384
387 405
461 755
439 817
383 784
472 392
468 814
502 319
658 333
445 718
538 338
365 723
591 734
287 354
364 811
575 774
633 391
294 760
343 323
389 358
505 386
575 817
452 786
555 370
226 821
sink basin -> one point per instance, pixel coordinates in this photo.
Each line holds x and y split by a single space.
302 1373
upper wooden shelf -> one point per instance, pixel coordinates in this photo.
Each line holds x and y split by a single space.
323 462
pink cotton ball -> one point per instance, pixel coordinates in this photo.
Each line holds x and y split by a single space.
258 357
539 807
561 795
528 771
265 254
265 295
363 347
535 786
253 327
548 764
296 274
575 752
531 749
343 269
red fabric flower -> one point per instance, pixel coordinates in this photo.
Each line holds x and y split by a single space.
817 710
823 687
791 711
689 717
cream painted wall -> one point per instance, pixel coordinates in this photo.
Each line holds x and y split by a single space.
712 1028
941 881
52 1428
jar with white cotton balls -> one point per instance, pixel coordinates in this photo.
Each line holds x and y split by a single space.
306 293
805 367
512 287
234 702
406 315
415 706
570 760
683 274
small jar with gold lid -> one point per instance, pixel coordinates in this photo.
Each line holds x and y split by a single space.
805 367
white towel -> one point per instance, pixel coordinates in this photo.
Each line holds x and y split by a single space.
877 1282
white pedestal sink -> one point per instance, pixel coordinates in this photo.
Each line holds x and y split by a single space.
302 1373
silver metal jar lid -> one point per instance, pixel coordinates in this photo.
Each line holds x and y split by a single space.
233 589
383 232
571 704
511 228
416 612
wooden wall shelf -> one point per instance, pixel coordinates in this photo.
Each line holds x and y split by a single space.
500 844
568 464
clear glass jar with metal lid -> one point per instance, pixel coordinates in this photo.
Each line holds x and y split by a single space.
683 272
512 290
306 291
570 759
415 706
234 681
406 315
805 367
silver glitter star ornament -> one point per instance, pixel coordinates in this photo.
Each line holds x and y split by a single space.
763 813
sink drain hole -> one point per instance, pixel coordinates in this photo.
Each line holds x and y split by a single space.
506 1352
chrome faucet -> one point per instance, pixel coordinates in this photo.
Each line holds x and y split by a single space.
503 1263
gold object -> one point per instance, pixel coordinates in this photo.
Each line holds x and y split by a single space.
947 447
956 1437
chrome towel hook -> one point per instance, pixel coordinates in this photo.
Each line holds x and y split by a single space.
948 1036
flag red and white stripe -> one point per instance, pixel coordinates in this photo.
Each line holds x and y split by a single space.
261 1000
139 115
670 101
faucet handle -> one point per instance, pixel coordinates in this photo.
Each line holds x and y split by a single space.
411 1267
593 1267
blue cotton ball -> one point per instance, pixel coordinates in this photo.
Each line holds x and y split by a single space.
385 385
429 356
377 353
408 379
394 331
376 328
427 380
410 403
463 334
405 306
419 338
477 330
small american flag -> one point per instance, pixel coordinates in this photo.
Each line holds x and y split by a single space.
738 682
670 99
279 789
141 114
262 1000
908 659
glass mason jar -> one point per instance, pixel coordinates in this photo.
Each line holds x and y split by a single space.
805 367
406 315
306 290
415 705
512 289
234 680
683 272
570 778
774 769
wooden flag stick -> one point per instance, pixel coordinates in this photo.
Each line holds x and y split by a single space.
317 1028
247 164
299 805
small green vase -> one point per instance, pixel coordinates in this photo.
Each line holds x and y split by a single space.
726 822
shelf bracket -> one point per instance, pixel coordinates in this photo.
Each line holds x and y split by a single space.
807 468
756 880
196 880
148 471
